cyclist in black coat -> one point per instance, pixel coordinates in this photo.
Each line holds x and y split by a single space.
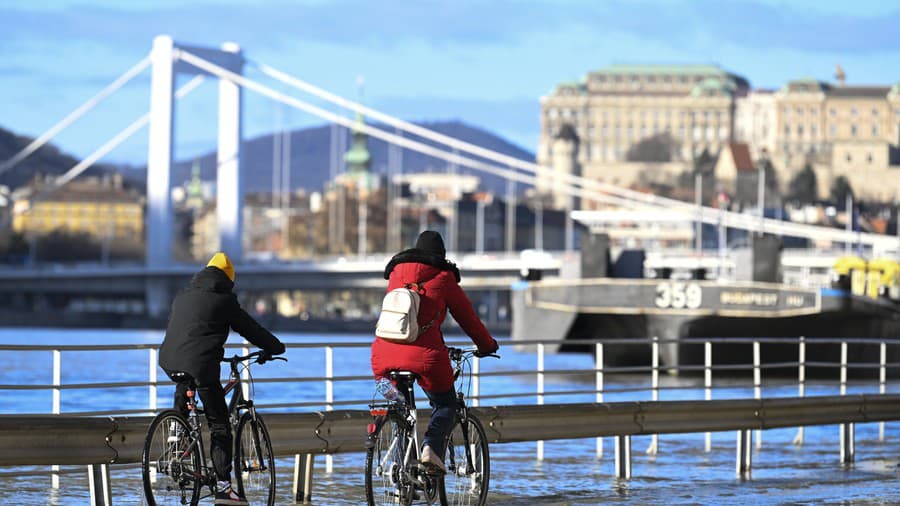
199 322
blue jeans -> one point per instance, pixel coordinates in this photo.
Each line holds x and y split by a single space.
443 416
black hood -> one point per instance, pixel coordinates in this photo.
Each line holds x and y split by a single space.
212 279
415 255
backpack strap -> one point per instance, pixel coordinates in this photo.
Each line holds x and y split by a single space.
424 328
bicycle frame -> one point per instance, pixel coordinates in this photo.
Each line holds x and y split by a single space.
236 404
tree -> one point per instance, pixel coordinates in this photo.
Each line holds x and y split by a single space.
803 188
840 188
657 148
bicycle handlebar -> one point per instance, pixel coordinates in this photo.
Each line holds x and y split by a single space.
457 354
260 356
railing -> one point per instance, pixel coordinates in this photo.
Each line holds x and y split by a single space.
98 441
752 369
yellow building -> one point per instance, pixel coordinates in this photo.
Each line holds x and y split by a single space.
100 207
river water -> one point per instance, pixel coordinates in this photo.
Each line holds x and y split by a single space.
570 474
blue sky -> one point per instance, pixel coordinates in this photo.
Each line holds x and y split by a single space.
485 62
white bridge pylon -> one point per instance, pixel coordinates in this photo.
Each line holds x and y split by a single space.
229 194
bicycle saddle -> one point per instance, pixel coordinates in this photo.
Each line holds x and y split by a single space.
407 376
180 376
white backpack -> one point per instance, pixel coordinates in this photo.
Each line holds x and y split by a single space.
398 321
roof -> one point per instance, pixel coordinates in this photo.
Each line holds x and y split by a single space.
740 152
567 132
623 68
859 91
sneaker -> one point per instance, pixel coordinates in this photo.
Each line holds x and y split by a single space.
229 497
432 463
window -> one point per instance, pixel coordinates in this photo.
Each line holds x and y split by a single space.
849 158
874 130
787 130
874 112
832 112
832 130
869 158
800 111
853 130
853 111
800 131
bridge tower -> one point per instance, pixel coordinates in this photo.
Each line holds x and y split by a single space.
167 64
229 193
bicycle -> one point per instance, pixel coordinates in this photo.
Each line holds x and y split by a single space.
393 472
173 463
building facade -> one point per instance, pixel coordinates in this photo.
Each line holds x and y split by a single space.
101 207
841 130
613 109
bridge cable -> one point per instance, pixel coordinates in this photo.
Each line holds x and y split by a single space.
103 150
75 115
737 220
629 198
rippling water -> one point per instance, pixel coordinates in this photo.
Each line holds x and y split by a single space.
681 473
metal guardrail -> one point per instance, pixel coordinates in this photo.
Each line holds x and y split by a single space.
70 440
98 440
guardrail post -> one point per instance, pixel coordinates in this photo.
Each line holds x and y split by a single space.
744 452
882 382
707 384
848 444
757 382
598 366
98 480
844 368
153 377
476 387
801 383
654 390
57 402
245 376
329 397
303 478
623 457
540 392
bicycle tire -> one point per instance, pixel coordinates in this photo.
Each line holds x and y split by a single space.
384 466
254 461
170 466
462 484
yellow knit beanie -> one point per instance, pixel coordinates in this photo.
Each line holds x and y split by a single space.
222 261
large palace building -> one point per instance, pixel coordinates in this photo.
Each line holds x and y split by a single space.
853 131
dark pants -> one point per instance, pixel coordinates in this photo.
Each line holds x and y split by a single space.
443 416
221 441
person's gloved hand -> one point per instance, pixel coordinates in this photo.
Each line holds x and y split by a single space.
480 353
263 357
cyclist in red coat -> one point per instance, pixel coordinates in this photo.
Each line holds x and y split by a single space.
438 279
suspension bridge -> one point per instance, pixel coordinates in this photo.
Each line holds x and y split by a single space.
168 59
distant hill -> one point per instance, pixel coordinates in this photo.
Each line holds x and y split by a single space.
310 154
46 160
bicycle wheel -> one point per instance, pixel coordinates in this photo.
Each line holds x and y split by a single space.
468 464
170 462
254 462
384 467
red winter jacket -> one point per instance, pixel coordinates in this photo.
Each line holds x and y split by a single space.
439 290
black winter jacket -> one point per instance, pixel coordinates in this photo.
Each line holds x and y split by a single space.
199 322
